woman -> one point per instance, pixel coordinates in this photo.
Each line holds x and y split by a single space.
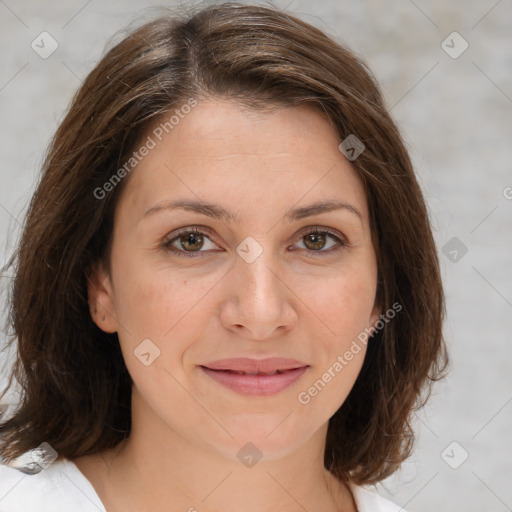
227 294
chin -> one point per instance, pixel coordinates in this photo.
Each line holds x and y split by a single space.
274 435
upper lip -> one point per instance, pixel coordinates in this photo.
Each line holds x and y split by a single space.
246 364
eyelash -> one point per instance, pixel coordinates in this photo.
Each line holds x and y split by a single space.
167 243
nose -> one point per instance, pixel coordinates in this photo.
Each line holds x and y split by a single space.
258 304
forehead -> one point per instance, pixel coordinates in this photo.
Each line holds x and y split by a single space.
223 153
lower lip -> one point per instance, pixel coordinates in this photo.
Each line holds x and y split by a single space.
255 384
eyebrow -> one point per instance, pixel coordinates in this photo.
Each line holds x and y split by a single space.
218 212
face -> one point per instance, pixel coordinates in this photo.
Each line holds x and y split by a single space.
269 278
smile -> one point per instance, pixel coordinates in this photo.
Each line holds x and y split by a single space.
255 383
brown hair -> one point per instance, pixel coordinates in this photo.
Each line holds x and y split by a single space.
76 389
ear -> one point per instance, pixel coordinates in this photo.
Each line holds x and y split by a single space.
101 298
375 316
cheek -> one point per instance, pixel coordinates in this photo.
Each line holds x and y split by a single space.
162 306
160 326
343 301
344 305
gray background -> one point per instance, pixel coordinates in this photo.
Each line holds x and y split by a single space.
456 116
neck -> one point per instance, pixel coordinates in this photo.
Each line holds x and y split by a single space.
163 471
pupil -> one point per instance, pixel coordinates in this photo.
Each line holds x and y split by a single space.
192 239
317 240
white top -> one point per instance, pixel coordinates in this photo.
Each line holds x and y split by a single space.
62 487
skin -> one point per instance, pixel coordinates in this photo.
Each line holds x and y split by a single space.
291 301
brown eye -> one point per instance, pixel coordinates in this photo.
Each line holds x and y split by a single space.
188 243
191 241
317 241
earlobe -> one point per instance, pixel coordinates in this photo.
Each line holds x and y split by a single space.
101 299
375 317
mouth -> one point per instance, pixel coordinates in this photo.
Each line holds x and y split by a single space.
252 377
250 373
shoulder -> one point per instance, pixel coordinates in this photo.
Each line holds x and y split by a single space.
59 487
368 500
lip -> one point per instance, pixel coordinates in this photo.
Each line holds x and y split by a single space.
224 372
247 364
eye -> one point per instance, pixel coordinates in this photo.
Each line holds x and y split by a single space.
315 241
187 242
